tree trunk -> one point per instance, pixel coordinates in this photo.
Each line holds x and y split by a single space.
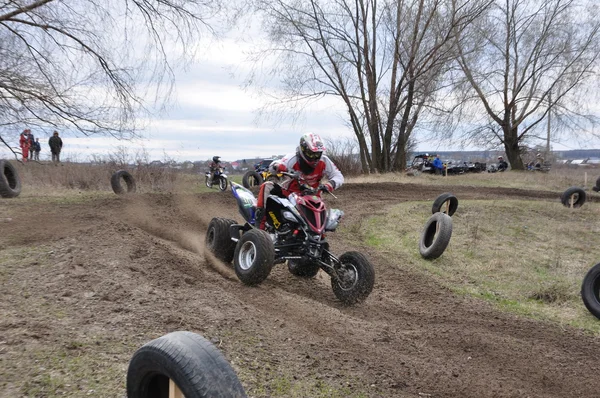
512 148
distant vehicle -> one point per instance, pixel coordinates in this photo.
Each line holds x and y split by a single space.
424 163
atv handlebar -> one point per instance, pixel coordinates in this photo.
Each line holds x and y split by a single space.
304 186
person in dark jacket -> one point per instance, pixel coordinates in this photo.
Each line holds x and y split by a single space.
56 144
35 149
502 164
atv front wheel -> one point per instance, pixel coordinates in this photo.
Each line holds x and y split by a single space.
303 268
355 278
254 256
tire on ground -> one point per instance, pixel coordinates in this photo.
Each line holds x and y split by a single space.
252 179
577 193
218 239
194 364
253 257
590 290
117 187
303 268
356 290
597 187
10 182
436 236
439 204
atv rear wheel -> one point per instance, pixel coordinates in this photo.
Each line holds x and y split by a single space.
254 256
355 278
303 268
218 239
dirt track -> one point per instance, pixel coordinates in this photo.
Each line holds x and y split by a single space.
134 269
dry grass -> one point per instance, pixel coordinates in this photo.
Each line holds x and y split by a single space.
47 179
557 179
528 257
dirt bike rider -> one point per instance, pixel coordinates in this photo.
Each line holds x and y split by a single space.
310 162
214 166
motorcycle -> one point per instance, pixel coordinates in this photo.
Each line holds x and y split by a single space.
295 231
219 176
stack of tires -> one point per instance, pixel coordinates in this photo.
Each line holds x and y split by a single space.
438 229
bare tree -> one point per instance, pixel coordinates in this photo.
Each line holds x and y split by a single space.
525 60
92 65
384 60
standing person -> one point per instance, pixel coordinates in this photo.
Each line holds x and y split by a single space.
56 144
31 145
438 165
37 147
24 144
310 162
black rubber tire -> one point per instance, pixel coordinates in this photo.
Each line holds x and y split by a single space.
566 197
117 187
303 268
222 184
254 256
252 179
364 281
597 187
10 182
590 290
439 203
218 239
192 362
432 244
208 184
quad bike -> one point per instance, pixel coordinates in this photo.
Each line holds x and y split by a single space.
218 177
260 174
295 230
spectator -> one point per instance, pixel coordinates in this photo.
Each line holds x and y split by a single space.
539 161
502 165
24 144
31 145
35 149
56 144
438 165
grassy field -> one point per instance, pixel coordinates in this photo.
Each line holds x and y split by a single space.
526 257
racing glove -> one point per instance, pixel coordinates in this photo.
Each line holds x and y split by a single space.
326 187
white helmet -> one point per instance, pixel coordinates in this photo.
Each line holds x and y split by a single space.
311 148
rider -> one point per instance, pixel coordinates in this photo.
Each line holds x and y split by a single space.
312 165
214 166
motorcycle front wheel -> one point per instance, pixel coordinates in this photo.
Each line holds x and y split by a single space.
208 182
222 184
355 278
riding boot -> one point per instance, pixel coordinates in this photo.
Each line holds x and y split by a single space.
259 218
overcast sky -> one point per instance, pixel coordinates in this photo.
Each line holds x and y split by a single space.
213 115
